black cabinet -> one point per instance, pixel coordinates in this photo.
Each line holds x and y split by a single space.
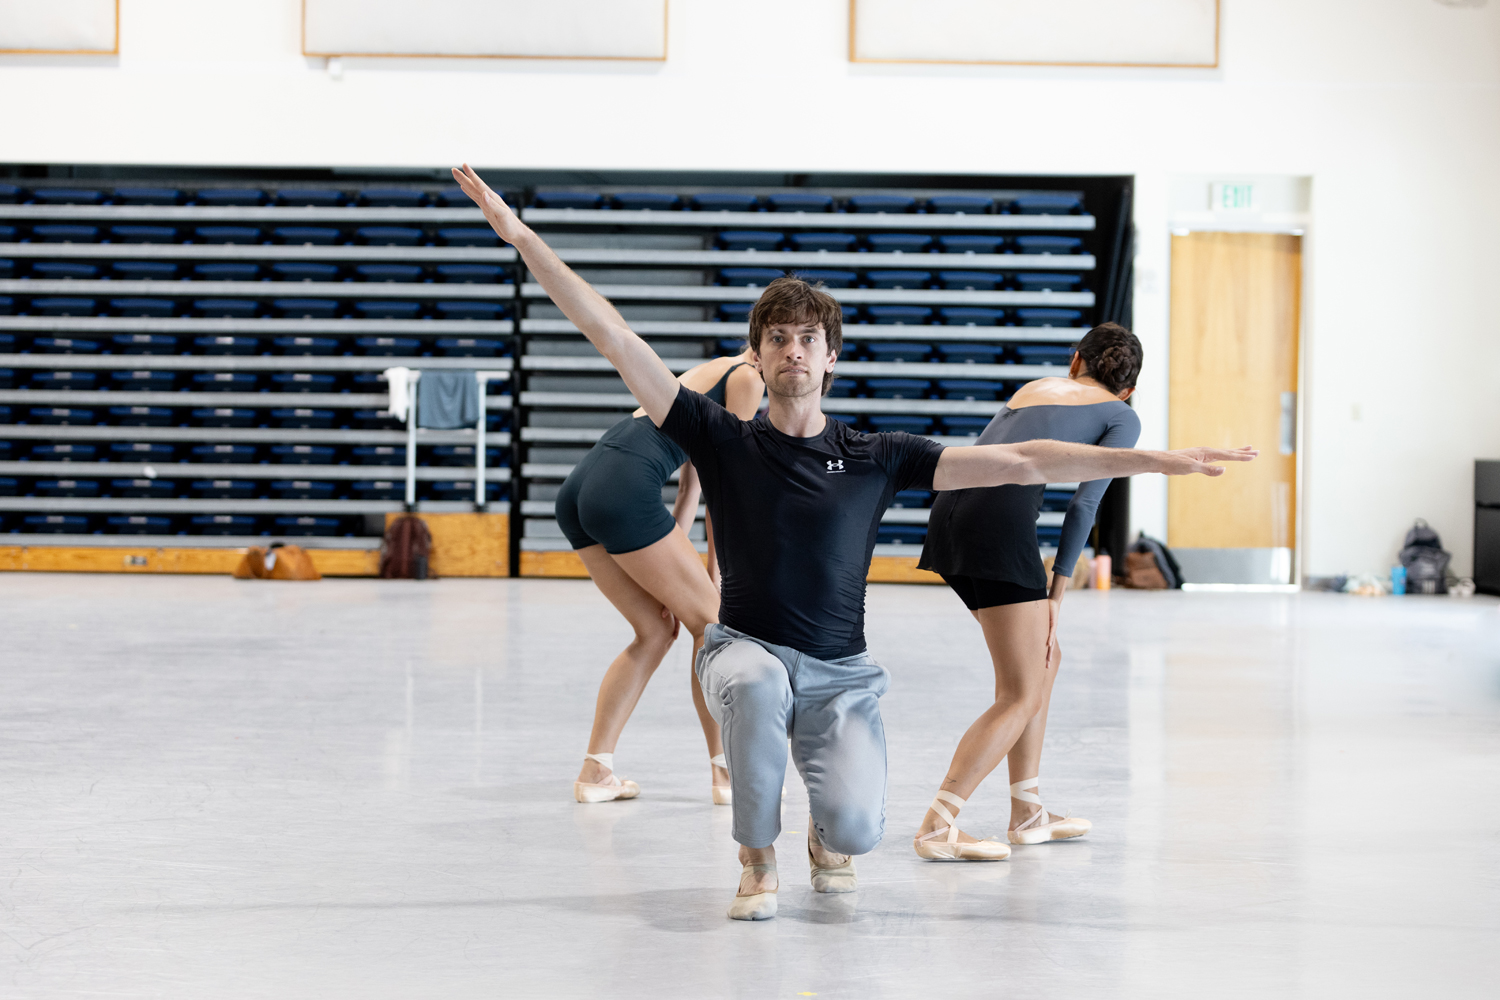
1487 526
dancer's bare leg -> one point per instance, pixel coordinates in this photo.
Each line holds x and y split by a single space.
710 727
1025 758
1016 635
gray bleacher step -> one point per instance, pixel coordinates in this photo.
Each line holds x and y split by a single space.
262 400
852 331
853 296
262 326
273 215
239 435
261 251
206 470
245 362
32 540
260 289
584 256
189 505
831 221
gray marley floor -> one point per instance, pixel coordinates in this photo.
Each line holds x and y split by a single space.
361 789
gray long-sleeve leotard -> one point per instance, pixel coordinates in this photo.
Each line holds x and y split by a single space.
990 532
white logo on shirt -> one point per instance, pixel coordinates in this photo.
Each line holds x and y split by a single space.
835 465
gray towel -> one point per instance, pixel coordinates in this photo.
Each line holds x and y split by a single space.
447 400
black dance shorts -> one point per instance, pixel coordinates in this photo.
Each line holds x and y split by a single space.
976 592
613 498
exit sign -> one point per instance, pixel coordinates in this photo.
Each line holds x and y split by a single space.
1232 198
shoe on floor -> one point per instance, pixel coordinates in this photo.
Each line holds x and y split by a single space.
608 790
756 905
950 848
836 878
1037 830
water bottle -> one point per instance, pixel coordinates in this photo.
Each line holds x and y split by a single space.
1398 580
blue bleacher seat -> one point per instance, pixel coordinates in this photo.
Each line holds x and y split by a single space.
831 279
567 199
321 197
379 454
1049 244
901 534
373 419
61 270
845 418
65 233
1049 535
392 197
734 312
1040 282
149 308
304 417
226 308
1047 204
843 388
1056 500
219 454
225 381
472 273
831 242
64 452
389 347
144 270
227 345
143 234
964 426
143 381
910 423
68 196
472 310
749 277
468 236
972 354
900 314
224 489
975 389
723 201
7 268
306 347
899 242
972 280
147 196
302 489
227 234
971 316
1044 354
224 524
67 487
379 489
898 388
899 279
140 416
886 350
911 499
10 194
223 416
891 203
230 196
306 308
729 346
387 309
142 451
304 271
749 239
1049 317
154 488
462 491
463 454
236 271
306 527
303 454
7 233
57 524
971 243
64 345
800 201
469 347
64 380
645 200
454 197
960 204
321 236
8 484
389 236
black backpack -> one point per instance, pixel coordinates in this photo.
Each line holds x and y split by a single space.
1425 561
1165 562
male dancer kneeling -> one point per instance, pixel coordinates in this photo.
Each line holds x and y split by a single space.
796 500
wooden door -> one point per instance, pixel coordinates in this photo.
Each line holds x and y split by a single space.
1236 299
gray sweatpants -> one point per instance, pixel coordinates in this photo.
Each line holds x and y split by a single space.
760 694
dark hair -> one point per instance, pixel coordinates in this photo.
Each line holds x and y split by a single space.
789 299
1112 355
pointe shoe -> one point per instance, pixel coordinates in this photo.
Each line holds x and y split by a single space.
837 878
757 905
950 849
605 791
723 794
1037 830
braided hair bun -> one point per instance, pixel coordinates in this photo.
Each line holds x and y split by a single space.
1112 355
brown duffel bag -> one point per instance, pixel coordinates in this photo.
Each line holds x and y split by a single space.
1142 573
278 562
406 550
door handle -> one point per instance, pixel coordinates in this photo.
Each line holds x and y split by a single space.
1288 423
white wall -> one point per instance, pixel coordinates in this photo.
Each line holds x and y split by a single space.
1391 107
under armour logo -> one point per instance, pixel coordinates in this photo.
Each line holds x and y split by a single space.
835 465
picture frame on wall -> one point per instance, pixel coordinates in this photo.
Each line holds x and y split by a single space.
60 27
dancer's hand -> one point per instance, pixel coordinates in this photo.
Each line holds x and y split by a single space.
1186 461
1054 608
676 625
497 213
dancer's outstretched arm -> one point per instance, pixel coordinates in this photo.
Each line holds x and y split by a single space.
1065 462
652 384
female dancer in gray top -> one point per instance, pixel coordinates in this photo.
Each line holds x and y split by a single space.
984 543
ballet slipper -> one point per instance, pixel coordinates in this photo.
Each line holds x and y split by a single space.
829 878
1036 829
723 794
950 848
608 790
755 905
